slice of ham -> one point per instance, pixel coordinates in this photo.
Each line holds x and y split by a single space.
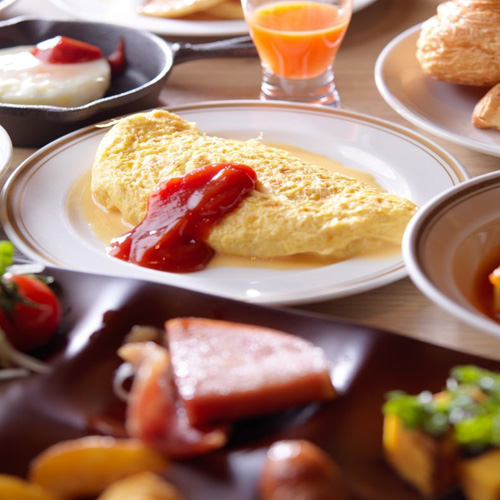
226 371
155 415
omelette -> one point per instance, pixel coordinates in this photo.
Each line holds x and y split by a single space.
296 208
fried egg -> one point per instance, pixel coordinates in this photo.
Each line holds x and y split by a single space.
25 79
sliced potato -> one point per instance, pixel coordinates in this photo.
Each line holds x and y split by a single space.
174 8
142 486
14 488
429 464
298 469
480 476
88 465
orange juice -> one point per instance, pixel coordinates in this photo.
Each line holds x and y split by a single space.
297 39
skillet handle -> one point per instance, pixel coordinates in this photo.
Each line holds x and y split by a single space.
233 47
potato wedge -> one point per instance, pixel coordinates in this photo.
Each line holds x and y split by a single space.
429 464
142 486
15 488
480 476
298 469
88 465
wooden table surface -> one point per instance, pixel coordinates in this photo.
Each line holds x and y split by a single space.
399 306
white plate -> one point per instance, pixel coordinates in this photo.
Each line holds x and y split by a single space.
122 12
451 244
441 108
361 4
5 151
36 216
5 3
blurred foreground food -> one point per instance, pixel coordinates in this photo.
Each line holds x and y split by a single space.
438 442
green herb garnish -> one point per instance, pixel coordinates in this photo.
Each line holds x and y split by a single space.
469 407
6 255
419 412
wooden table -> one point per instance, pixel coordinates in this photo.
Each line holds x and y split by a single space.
399 306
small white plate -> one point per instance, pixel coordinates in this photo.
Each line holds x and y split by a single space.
361 4
123 12
440 108
5 3
37 218
5 151
449 244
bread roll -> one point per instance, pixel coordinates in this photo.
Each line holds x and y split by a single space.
461 43
487 111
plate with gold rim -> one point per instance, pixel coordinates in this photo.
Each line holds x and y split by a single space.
123 12
441 108
44 214
5 3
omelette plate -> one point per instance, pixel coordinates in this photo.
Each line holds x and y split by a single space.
441 108
37 217
122 12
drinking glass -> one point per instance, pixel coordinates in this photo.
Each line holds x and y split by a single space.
297 41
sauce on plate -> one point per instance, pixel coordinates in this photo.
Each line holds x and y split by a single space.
180 215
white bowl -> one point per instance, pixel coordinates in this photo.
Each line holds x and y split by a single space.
450 241
5 151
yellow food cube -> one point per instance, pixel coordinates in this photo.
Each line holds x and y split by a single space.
480 476
88 465
14 488
429 464
142 486
494 278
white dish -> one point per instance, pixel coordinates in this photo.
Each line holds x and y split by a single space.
5 151
361 4
122 12
36 216
448 243
440 108
5 3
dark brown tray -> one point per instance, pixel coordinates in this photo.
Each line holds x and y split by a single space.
367 363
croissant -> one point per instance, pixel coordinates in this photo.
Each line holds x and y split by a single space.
461 43
487 111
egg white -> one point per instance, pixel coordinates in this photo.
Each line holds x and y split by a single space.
24 79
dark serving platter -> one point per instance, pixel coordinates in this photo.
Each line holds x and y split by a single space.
76 397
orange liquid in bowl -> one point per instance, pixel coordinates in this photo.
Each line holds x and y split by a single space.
296 39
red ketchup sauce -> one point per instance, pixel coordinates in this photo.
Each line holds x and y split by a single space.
64 50
180 216
116 59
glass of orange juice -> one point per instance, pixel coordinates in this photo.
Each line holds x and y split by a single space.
297 41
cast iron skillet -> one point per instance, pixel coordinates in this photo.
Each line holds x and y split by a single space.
149 60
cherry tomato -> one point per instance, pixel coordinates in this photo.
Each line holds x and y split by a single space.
116 59
32 318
